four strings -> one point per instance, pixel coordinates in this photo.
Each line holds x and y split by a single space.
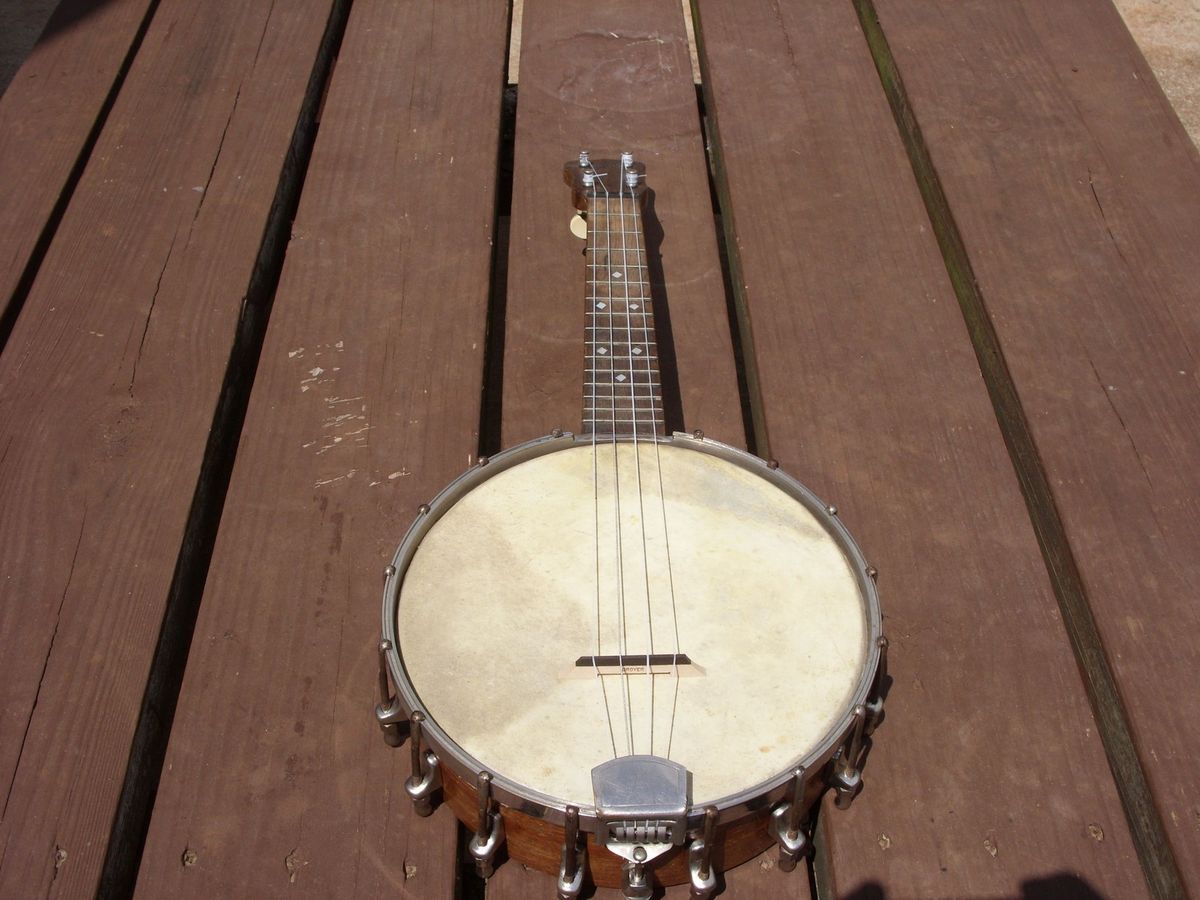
631 244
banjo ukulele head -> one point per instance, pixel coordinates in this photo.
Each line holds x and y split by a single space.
621 652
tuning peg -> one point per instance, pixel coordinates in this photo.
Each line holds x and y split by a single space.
584 160
631 179
588 179
626 160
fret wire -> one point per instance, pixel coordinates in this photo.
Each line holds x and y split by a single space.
640 390
646 379
624 388
640 421
644 401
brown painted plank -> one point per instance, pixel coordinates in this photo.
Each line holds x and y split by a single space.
583 88
610 77
987 779
366 403
1050 133
48 115
107 391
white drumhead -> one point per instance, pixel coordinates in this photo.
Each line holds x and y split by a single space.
525 574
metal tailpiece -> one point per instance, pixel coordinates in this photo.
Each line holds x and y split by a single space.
489 833
787 824
847 773
388 711
641 808
704 877
426 777
574 859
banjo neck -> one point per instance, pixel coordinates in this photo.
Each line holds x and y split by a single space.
622 385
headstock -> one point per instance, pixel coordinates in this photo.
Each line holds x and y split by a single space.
590 178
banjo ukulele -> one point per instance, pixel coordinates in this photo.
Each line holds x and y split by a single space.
625 656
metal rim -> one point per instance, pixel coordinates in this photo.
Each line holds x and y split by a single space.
732 807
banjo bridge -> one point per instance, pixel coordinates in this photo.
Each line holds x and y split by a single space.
636 664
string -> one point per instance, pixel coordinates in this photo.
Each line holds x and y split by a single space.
637 456
596 492
622 629
643 287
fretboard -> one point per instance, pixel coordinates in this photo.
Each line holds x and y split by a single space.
622 392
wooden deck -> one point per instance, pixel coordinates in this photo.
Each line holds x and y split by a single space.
272 274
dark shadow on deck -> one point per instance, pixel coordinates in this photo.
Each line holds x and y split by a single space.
1052 887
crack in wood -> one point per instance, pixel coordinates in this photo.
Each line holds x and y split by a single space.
1100 206
149 312
217 158
45 665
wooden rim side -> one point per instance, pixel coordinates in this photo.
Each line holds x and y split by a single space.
537 843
